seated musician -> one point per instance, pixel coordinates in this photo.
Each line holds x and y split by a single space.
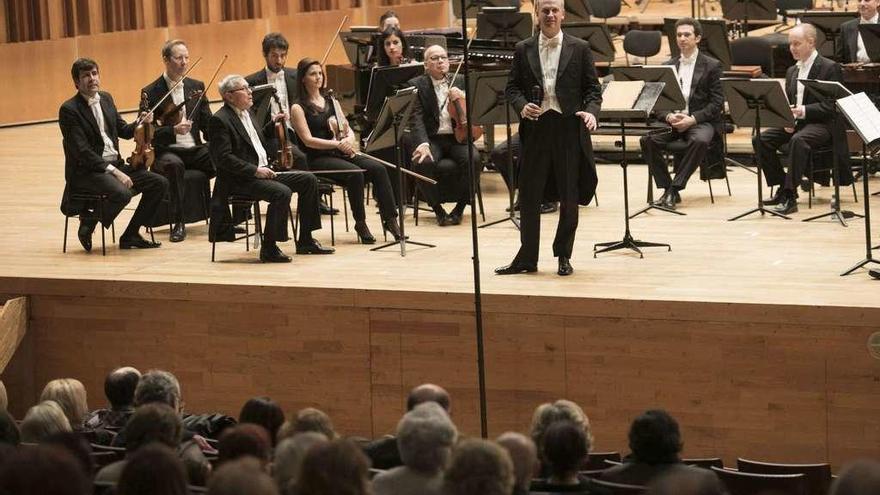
851 47
700 79
179 145
91 127
238 150
812 125
389 19
394 48
315 117
498 159
437 154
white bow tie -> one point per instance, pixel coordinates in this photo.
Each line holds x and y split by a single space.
549 43
274 76
95 100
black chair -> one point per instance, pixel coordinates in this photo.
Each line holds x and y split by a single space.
817 476
642 43
605 9
753 50
248 203
704 462
823 155
96 202
620 489
446 196
739 483
596 460
713 167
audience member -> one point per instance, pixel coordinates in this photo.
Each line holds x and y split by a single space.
479 467
425 437
245 440
289 455
338 467
43 420
43 470
9 433
119 386
242 477
311 419
76 445
158 386
524 455
564 449
858 478
150 423
548 413
265 412
70 394
153 470
688 482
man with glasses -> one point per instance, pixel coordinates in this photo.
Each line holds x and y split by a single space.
437 154
238 149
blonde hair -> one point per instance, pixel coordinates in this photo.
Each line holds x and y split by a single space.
70 394
42 421
561 410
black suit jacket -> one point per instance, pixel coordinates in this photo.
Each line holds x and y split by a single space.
848 44
706 99
263 99
577 89
231 148
164 136
425 117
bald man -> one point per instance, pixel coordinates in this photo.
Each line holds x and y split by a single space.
524 455
119 386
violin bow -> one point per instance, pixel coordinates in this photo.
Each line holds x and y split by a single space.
202 96
333 40
450 82
178 83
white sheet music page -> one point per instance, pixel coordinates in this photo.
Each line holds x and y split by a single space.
863 115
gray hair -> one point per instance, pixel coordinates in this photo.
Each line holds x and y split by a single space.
158 386
561 410
808 30
289 455
425 437
230 83
524 455
42 421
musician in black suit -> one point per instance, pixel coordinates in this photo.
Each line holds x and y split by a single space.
850 47
700 79
437 153
813 124
179 146
553 85
91 127
238 149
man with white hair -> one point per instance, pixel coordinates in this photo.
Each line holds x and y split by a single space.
238 150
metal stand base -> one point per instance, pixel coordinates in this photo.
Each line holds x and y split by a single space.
627 243
512 218
836 214
761 209
859 265
655 206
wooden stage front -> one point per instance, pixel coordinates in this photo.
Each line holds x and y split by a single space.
744 331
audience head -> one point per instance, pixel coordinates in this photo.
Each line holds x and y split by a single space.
86 78
524 456
4 399
42 421
562 410
70 394
241 477
265 412
153 470
428 392
236 92
311 419
9 433
43 470
245 440
564 449
654 437
275 47
393 47
802 41
77 446
119 387
389 19
479 467
425 437
158 386
868 8
858 478
339 467
153 423
289 455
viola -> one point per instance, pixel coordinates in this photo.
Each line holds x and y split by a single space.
457 109
170 114
143 156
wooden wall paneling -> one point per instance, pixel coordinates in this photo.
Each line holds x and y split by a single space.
149 10
309 34
4 28
95 16
56 22
215 11
48 67
412 16
129 60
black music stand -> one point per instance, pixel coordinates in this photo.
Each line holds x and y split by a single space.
830 92
871 38
358 46
714 42
641 109
862 114
506 24
395 113
829 23
597 35
755 103
490 107
577 11
473 7
743 10
384 80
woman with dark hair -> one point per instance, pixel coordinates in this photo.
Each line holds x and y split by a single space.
312 115
393 48
339 467
153 470
565 448
265 412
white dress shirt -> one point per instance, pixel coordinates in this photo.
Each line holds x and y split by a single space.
278 79
549 49
804 73
181 140
862 53
686 76
245 117
441 89
109 154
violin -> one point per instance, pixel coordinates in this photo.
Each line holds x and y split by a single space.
285 159
143 156
170 114
338 126
457 108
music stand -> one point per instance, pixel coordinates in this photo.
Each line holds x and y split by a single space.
871 38
358 46
384 80
597 35
395 112
473 7
755 103
507 24
490 106
714 42
829 23
577 11
641 109
743 10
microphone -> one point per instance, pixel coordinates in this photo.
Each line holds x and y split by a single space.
264 87
537 95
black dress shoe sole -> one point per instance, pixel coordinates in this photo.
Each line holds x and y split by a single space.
281 259
177 238
144 244
86 242
516 270
315 251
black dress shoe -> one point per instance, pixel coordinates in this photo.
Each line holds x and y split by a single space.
667 200
271 253
178 232
874 273
137 242
565 268
776 199
442 219
313 247
326 210
86 227
548 207
363 233
805 185
787 206
676 198
515 268
454 219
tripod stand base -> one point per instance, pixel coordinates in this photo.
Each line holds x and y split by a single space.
839 215
512 219
654 206
402 245
627 243
859 265
731 161
760 209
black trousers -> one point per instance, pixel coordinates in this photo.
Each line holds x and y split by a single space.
805 138
277 192
498 157
698 136
449 169
375 172
153 187
552 148
172 163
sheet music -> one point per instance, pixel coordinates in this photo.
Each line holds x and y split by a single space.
863 115
621 95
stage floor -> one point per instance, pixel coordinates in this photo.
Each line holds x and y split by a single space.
754 260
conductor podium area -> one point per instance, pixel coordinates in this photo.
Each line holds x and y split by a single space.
745 332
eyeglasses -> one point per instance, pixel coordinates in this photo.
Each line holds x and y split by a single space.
245 88
438 58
